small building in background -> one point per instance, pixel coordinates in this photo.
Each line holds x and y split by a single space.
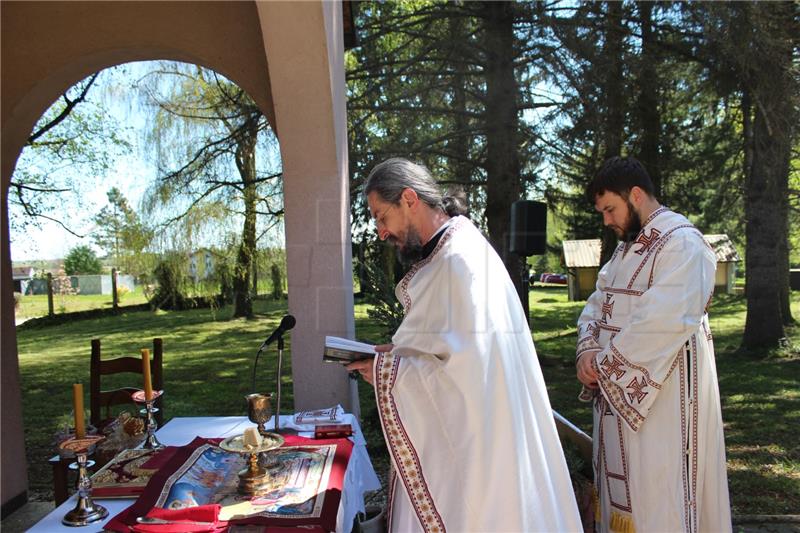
727 257
100 283
582 260
22 276
201 264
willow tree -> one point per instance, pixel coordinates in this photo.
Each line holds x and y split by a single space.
76 140
207 134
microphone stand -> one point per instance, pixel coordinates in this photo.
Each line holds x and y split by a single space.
278 388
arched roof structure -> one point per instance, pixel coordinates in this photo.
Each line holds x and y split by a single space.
289 57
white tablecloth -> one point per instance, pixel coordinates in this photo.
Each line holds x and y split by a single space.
359 477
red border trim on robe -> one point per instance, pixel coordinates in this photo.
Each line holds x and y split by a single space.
448 233
405 456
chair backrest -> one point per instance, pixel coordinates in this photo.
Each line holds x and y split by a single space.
104 399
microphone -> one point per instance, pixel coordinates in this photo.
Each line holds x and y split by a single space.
286 324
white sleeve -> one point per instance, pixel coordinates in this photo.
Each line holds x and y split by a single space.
640 356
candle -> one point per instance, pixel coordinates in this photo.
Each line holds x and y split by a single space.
148 385
77 405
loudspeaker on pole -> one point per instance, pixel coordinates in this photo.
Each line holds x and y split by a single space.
528 228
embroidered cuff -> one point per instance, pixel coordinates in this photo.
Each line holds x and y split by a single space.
587 394
586 344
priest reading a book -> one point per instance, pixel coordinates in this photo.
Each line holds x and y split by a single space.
462 401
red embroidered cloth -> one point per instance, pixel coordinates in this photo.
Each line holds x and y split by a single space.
127 474
198 484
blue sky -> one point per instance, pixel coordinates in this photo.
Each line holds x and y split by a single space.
51 241
131 173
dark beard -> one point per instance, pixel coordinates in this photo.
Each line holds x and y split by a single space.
633 225
412 250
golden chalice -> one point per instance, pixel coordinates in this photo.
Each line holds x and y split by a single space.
259 410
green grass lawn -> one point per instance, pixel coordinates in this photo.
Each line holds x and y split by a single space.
32 306
208 361
759 392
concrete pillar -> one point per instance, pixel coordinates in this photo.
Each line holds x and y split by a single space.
310 116
14 476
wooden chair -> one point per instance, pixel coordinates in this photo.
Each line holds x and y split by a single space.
101 401
105 399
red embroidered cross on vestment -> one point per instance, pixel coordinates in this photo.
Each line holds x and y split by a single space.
613 368
607 309
646 241
638 390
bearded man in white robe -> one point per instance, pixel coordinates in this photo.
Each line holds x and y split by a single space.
645 357
460 394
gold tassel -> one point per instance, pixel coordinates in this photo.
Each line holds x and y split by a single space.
621 523
596 503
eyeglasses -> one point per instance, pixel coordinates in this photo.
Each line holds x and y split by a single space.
380 220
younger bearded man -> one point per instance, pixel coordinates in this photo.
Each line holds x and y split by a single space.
646 358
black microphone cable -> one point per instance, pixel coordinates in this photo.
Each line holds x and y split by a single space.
286 324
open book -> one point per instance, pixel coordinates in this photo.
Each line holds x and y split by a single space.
340 350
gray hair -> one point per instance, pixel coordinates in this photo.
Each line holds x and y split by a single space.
390 178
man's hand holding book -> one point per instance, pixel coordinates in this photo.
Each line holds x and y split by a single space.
366 367
356 356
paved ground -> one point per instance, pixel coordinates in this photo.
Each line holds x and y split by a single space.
32 512
27 515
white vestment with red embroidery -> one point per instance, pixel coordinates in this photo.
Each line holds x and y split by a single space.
463 404
659 452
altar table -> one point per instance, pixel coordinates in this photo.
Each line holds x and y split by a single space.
359 476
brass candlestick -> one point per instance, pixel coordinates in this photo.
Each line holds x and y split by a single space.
85 511
151 442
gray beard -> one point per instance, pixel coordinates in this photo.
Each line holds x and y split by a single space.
411 251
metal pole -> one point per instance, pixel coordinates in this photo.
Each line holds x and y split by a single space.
278 388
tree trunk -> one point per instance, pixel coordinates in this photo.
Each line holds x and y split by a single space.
772 89
255 274
764 322
459 146
614 123
649 98
614 83
502 160
246 163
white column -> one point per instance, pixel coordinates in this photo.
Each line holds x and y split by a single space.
304 46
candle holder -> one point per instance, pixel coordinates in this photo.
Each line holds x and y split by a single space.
151 442
85 511
253 476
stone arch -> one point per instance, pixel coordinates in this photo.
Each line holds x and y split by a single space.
67 41
289 57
